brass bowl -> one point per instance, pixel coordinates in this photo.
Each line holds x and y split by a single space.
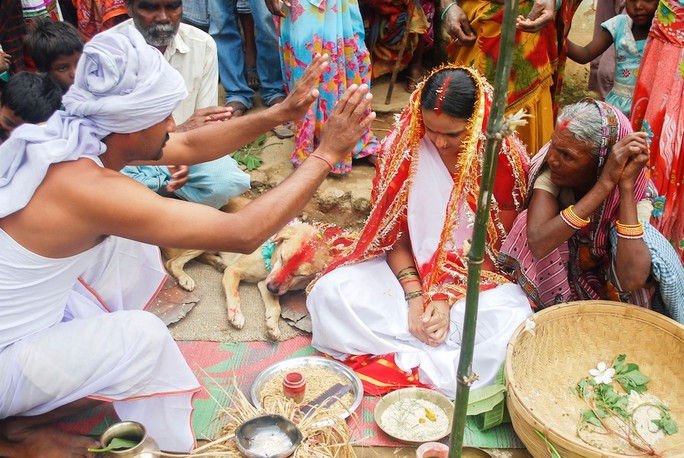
268 436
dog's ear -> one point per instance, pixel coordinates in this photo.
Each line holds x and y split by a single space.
283 234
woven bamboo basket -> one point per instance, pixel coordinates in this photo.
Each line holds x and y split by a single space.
544 366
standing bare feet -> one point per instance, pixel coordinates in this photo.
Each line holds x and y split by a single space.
239 108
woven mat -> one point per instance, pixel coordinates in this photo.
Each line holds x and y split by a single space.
208 320
217 364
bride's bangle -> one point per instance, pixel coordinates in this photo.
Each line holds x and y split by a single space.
413 294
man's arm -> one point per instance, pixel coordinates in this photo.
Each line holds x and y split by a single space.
124 208
219 138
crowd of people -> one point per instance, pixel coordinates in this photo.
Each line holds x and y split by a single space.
586 202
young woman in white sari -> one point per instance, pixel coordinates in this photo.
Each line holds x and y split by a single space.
398 291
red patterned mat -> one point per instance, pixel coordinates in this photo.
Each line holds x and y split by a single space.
217 364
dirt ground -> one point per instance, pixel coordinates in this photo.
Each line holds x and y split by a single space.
344 201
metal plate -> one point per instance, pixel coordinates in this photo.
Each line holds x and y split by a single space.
312 361
436 398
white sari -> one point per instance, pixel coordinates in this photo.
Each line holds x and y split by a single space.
360 309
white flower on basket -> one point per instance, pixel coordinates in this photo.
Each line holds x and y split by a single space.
602 373
530 325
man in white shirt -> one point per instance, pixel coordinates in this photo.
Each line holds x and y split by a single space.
193 53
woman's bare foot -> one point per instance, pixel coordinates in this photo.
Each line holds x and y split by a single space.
43 442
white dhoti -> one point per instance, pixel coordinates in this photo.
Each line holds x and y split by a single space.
360 309
96 343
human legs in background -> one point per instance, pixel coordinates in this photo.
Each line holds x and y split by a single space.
272 86
658 108
247 25
196 13
210 183
415 68
224 28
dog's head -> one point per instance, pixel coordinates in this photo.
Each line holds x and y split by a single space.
300 253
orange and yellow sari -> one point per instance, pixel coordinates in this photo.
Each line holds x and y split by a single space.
535 59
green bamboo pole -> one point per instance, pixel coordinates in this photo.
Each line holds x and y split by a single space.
495 127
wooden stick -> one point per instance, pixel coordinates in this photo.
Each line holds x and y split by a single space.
404 43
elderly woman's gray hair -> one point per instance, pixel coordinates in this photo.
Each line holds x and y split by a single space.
583 121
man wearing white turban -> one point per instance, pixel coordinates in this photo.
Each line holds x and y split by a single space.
74 275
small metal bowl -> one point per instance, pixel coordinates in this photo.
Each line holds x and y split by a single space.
268 436
436 398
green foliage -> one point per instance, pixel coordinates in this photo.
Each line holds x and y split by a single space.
609 409
607 398
485 399
248 155
628 375
666 423
585 387
117 443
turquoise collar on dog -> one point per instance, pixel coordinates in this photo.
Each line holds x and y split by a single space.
267 250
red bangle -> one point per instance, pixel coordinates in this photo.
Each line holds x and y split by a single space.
318 156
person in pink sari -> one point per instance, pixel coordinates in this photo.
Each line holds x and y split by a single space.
585 234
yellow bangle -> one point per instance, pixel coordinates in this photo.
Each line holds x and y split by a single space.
572 219
630 231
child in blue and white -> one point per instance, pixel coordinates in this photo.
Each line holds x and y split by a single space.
629 32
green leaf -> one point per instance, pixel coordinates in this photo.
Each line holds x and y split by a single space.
619 363
590 417
669 426
633 380
583 387
501 375
666 423
117 443
485 399
491 418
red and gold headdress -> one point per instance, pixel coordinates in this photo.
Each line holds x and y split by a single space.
395 169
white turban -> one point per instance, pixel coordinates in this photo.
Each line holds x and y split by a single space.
122 85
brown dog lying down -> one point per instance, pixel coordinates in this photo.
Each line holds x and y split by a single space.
288 261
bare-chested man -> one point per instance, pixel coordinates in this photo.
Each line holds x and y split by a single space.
74 275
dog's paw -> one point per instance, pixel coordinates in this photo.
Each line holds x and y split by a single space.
185 282
273 333
236 318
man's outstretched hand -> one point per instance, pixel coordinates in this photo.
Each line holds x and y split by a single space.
298 101
204 116
347 122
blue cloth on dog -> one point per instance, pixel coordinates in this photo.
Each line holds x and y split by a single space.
267 250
